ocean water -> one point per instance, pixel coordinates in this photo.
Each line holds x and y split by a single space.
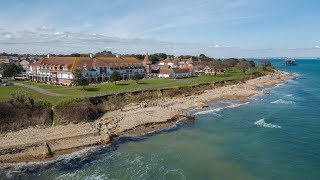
274 136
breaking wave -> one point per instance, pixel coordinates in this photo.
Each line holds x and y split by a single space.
281 101
263 123
211 111
214 111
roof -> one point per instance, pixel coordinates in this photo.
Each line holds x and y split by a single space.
146 58
165 71
83 63
55 61
184 70
176 71
24 62
114 61
166 60
190 60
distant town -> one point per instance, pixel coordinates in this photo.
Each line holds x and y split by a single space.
105 66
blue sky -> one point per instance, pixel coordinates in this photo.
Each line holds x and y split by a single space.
218 28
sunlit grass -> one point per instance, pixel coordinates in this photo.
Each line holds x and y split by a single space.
70 92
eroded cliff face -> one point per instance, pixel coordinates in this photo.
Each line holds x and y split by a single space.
15 117
76 112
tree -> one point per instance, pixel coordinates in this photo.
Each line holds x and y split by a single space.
217 66
83 82
11 70
243 66
202 56
79 80
136 77
253 64
265 63
115 76
229 63
103 53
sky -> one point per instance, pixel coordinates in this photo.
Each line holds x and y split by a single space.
217 28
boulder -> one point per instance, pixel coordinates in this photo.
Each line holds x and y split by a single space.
201 105
106 139
47 151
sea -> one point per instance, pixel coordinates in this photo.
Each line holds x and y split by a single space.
275 136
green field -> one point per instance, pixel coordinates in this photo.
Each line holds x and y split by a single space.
105 88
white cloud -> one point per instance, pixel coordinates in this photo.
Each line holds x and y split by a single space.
45 28
6 36
316 47
220 46
257 49
35 41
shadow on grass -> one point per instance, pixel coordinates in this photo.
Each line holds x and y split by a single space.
142 83
122 84
92 89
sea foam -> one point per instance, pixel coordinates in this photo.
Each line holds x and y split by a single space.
263 123
211 111
214 111
281 101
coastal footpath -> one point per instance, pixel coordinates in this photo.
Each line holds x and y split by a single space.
153 111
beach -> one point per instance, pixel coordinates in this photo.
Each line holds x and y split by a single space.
36 144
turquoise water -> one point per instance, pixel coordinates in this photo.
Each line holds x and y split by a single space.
274 136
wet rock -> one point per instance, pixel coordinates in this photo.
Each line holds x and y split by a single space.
47 151
106 139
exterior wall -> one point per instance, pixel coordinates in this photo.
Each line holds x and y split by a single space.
182 74
172 74
163 75
62 75
193 72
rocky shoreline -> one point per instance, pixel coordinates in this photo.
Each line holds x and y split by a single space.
34 144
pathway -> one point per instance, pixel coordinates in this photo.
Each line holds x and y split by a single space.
40 90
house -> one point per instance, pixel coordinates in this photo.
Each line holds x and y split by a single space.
176 62
174 73
59 70
24 64
147 64
14 60
4 59
167 62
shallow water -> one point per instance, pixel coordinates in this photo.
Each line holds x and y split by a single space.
274 136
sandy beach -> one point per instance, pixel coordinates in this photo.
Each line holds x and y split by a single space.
134 119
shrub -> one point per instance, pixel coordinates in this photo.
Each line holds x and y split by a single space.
43 103
22 98
67 102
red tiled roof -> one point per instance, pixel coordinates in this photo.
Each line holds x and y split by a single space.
114 61
184 70
82 63
167 60
165 71
146 58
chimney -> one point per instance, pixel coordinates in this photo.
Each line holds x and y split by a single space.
48 56
91 55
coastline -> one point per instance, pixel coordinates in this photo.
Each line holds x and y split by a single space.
134 119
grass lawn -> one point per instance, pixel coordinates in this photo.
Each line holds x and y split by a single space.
6 91
105 88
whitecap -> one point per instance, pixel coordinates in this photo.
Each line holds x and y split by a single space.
214 111
211 111
262 123
237 105
281 101
296 74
